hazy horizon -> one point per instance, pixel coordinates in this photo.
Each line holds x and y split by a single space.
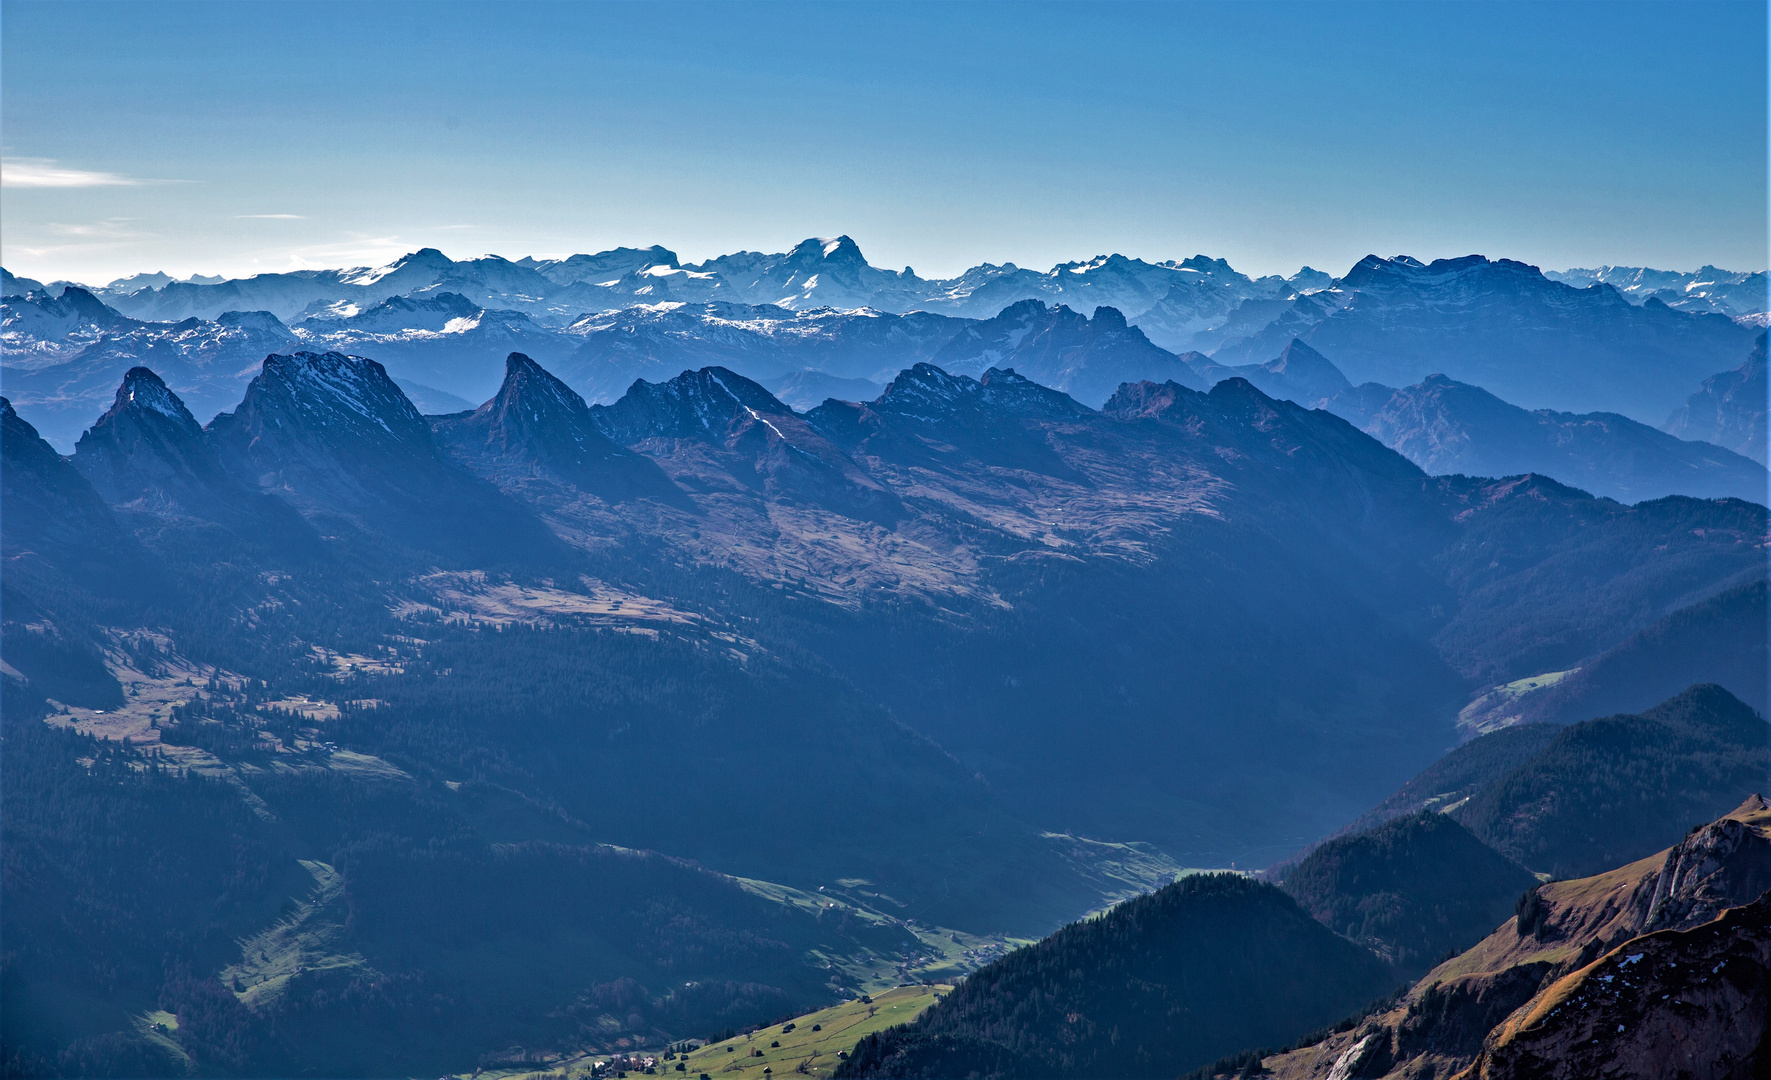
1273 135
514 257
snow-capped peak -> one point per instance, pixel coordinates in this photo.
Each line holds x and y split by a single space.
422 259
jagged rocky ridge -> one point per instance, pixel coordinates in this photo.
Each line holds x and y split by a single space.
948 489
1654 969
601 321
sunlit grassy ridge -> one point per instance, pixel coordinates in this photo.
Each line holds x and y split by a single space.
810 1048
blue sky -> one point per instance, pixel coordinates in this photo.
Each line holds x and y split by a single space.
223 138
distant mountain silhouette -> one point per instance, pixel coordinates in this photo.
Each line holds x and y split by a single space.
1445 426
1729 409
1505 327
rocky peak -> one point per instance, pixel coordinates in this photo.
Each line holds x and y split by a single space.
926 392
1006 390
1303 375
604 266
425 263
834 250
347 404
535 412
1107 319
40 315
87 307
148 453
1657 968
537 425
704 404
1147 400
143 390
336 437
1720 865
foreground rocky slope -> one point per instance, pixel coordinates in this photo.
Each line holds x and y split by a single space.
1655 969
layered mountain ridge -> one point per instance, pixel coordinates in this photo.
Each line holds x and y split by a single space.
603 320
1064 651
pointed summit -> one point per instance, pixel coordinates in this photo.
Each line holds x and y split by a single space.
148 450
337 438
1303 375
142 389
536 425
347 404
147 454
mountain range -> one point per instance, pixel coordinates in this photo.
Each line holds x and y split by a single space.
603 320
1445 426
882 685
1725 292
949 490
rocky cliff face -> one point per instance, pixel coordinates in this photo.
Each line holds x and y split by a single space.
1677 1003
714 429
1656 969
148 458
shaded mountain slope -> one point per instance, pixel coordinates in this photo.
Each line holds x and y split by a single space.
1547 577
333 436
716 428
148 457
1460 773
1409 889
1158 985
1084 357
1446 426
585 718
975 609
1729 409
1606 791
1505 327
428 924
1719 640
58 529
538 426
806 390
1299 374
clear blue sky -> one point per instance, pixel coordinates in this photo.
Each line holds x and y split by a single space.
237 138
